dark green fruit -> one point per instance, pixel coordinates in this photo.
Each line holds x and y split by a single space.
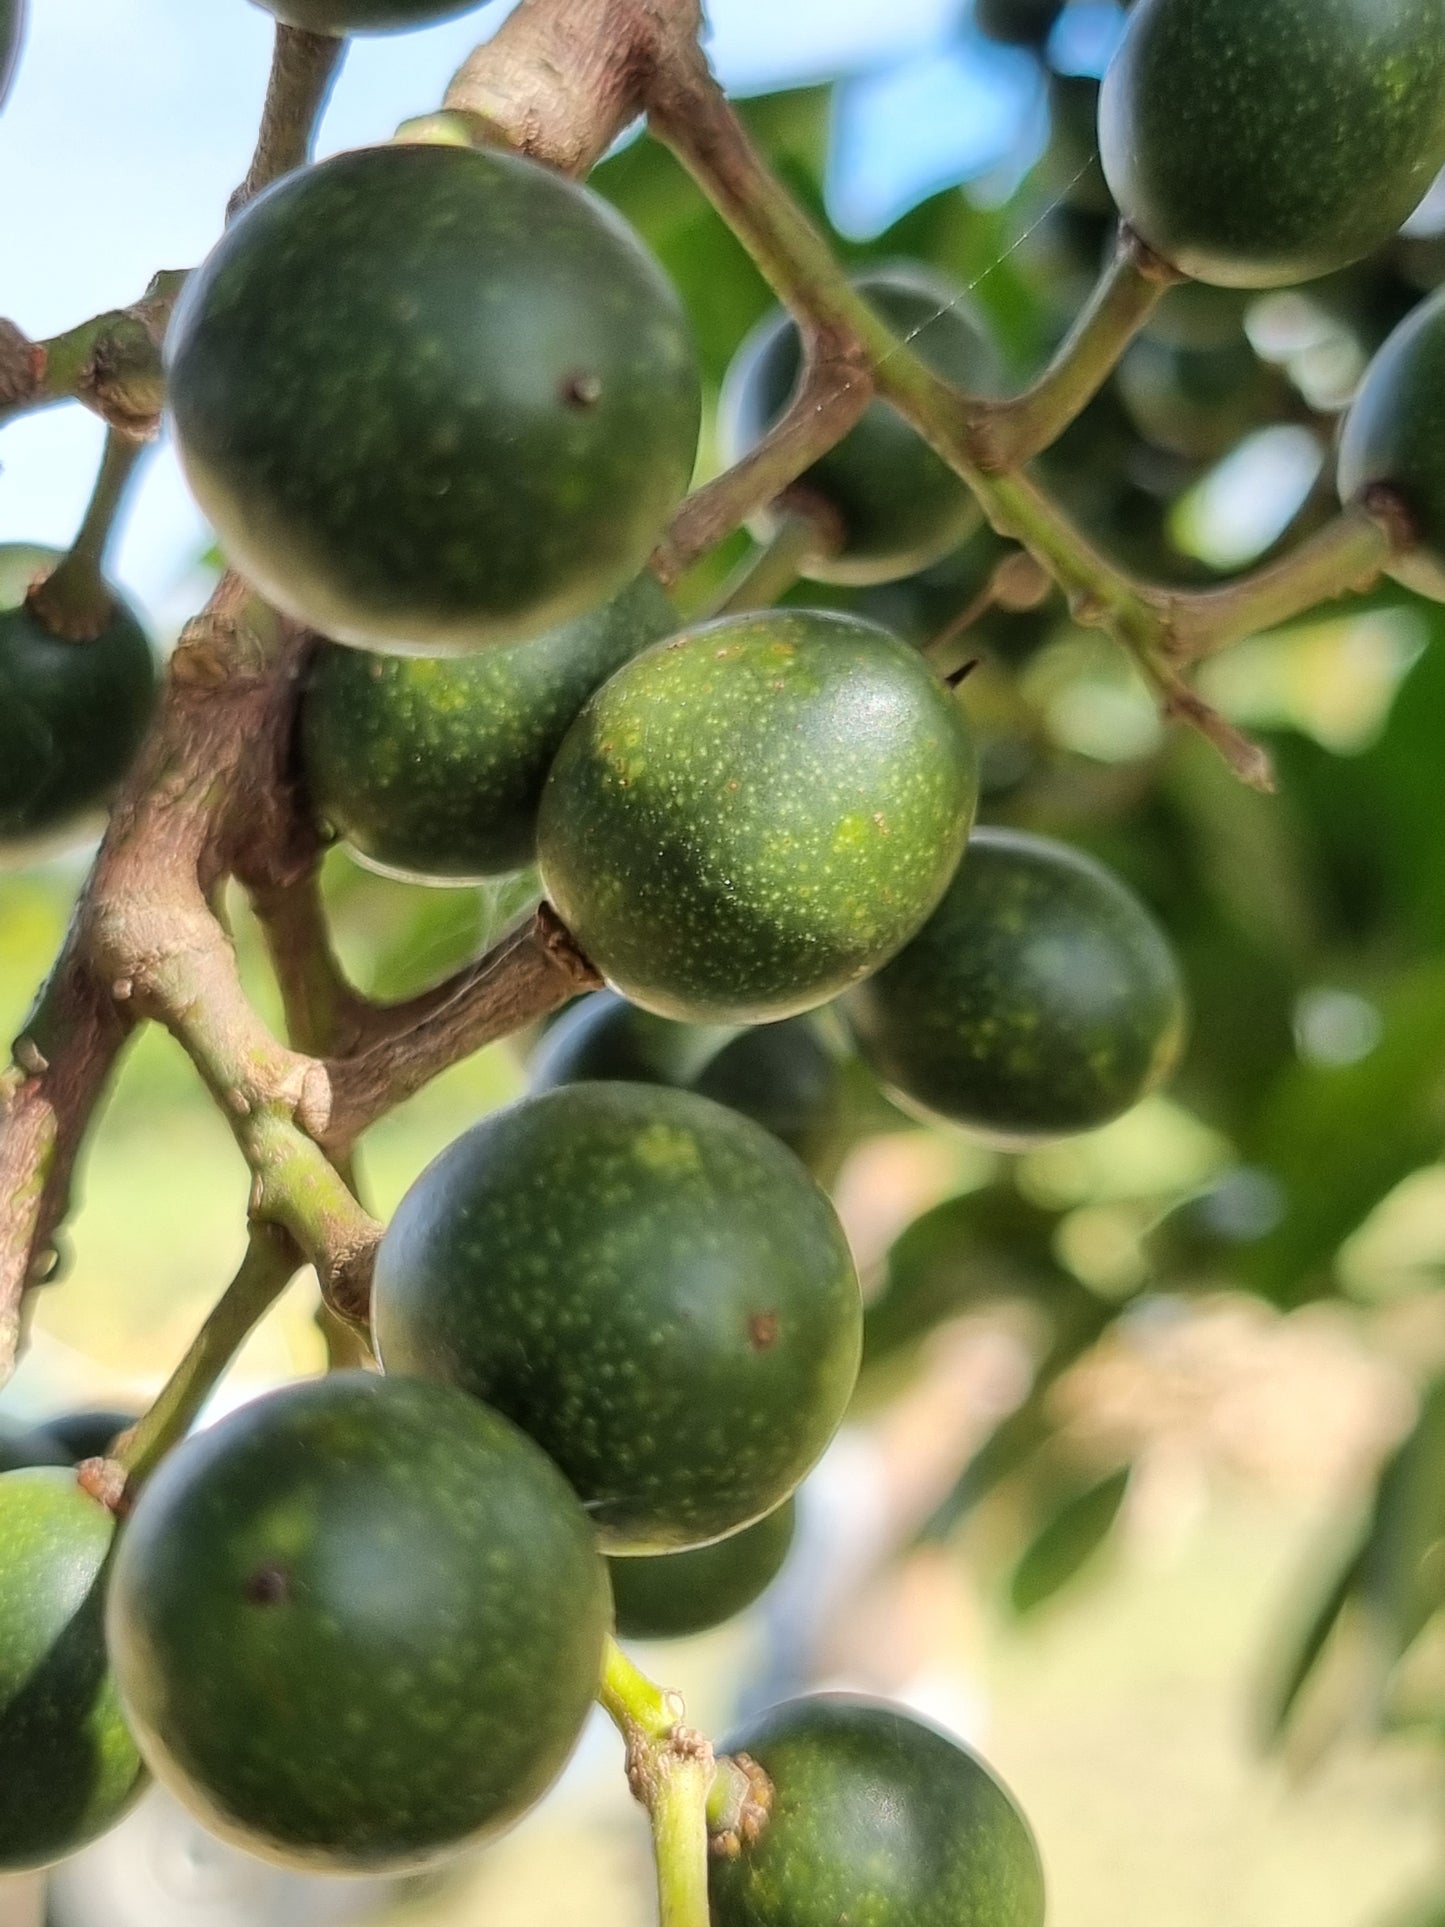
12 32
72 714
433 398
86 1435
1017 23
1394 435
71 1767
1198 402
899 506
877 1819
751 816
1254 143
1039 1000
358 1624
678 1593
432 767
649 1285
364 16
23 1445
783 1076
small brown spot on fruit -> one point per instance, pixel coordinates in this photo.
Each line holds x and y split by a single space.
763 1330
269 1586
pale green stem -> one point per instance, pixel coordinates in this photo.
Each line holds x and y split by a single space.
270 1263
670 1770
73 600
773 568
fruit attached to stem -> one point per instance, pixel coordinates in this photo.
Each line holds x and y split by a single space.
358 1623
752 815
433 398
649 1285
1394 438
1254 143
1040 999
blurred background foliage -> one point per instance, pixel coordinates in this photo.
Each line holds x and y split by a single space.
1155 1413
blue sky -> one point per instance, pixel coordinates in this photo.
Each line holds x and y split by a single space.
130 123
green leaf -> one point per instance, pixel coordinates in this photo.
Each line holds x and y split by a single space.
1338 1137
1282 1695
1402 1582
1068 1539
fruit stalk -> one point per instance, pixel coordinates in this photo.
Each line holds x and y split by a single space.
73 601
304 67
773 568
670 1769
269 1265
1133 283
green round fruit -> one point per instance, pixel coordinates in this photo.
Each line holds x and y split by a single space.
1196 402
751 816
72 714
432 767
1394 436
358 1623
899 506
12 33
783 1076
1017 23
24 1445
875 1818
433 398
675 1594
1039 1000
1255 143
649 1285
364 16
72 1767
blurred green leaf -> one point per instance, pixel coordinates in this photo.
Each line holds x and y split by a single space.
1067 1540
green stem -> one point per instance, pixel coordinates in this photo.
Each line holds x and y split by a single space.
679 1843
73 601
1132 285
270 1263
636 1705
773 568
1345 557
670 1769
304 67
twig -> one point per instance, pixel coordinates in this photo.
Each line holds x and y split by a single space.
73 600
1007 434
304 67
670 1769
774 567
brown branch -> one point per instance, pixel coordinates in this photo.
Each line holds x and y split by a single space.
111 363
529 973
837 387
561 79
304 67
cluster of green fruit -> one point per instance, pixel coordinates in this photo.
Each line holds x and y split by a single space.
439 404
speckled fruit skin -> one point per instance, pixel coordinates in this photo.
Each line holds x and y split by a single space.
72 714
649 1285
1254 143
433 398
1039 1000
72 1767
358 1623
878 1821
900 505
680 1593
1395 433
12 32
365 16
751 816
432 767
783 1076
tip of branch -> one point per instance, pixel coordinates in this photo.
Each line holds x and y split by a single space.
1249 760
